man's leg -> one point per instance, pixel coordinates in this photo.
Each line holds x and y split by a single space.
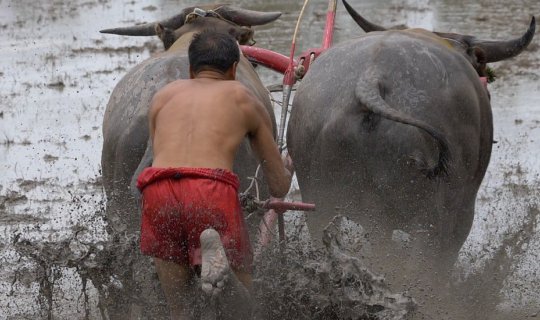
245 278
177 284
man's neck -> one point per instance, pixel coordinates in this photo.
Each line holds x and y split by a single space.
212 75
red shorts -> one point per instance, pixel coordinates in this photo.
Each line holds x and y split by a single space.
178 204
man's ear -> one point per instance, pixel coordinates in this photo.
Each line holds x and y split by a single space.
232 71
191 73
478 60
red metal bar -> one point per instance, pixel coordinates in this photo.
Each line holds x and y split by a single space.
329 27
265 227
282 206
289 79
286 65
270 59
305 59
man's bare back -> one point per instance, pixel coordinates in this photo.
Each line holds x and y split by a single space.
201 122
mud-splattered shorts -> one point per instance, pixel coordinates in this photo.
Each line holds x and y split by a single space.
180 203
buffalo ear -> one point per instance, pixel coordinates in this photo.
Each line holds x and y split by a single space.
243 34
478 59
166 35
159 30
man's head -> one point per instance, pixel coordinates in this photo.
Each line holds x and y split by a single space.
214 51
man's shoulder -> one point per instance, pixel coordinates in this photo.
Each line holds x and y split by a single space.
239 90
170 89
169 86
175 85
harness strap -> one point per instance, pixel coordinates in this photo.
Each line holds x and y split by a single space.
198 12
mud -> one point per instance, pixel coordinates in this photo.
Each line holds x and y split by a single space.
328 283
55 253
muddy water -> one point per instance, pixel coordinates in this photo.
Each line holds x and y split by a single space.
56 76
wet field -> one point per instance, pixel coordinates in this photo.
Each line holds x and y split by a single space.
58 71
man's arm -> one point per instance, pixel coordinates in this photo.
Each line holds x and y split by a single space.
155 105
264 145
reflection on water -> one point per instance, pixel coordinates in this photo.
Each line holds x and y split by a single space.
57 75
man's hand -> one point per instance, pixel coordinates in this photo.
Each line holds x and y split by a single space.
287 162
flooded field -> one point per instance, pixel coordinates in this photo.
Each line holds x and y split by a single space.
58 71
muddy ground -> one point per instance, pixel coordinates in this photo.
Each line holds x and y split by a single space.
57 73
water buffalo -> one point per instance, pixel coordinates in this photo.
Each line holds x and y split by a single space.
394 129
126 149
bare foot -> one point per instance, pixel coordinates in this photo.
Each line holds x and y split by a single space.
215 269
229 298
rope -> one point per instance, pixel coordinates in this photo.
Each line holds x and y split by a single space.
254 181
198 12
298 22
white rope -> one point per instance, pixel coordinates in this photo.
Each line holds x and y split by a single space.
254 182
287 90
298 21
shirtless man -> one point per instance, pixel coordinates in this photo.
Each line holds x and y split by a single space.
196 127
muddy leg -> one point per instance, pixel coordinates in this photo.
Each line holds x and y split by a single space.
178 285
222 286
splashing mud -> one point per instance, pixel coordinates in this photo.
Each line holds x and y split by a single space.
56 255
481 290
303 283
329 283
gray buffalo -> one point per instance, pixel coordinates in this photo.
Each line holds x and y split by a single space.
126 149
394 129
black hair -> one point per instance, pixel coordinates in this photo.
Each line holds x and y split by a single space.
213 50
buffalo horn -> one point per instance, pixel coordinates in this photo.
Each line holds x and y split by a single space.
500 50
363 23
148 29
246 17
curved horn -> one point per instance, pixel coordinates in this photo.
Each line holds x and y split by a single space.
246 17
500 50
363 23
148 29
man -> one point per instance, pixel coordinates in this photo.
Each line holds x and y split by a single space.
196 127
